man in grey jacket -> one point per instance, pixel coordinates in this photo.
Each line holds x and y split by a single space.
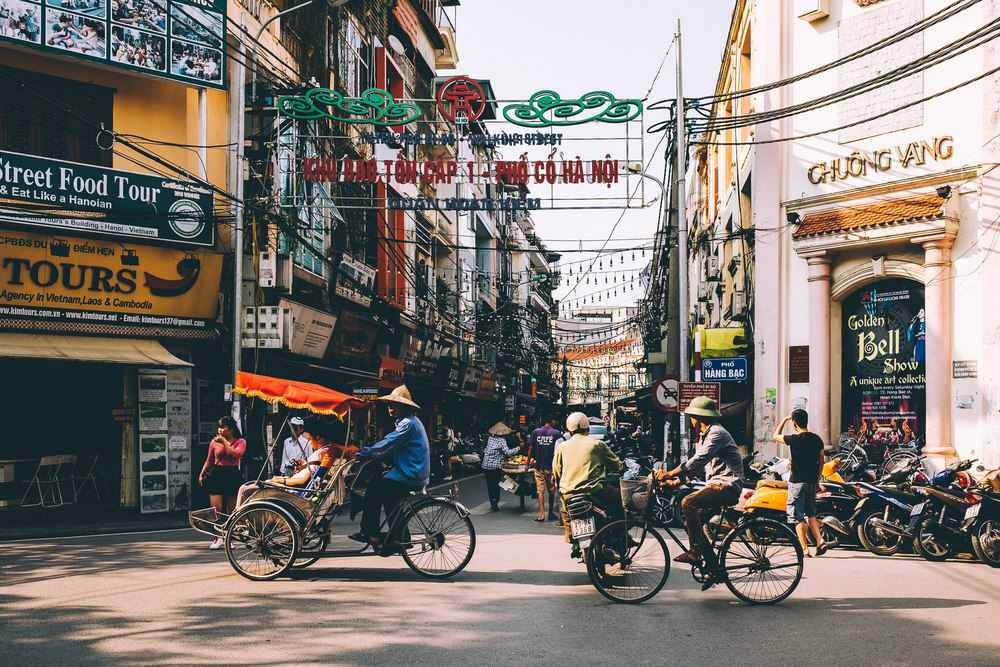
717 454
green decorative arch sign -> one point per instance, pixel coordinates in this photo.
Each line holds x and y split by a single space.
546 109
374 107
377 107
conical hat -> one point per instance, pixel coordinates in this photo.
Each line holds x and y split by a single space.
499 429
399 395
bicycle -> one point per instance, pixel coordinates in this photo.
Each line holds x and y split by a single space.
760 560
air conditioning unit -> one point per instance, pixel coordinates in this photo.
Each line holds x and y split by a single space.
712 268
703 292
734 264
738 307
266 327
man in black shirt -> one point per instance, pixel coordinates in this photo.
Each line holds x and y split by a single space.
807 465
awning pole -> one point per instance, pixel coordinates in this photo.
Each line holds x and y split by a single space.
269 465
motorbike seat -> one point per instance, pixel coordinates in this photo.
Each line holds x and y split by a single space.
772 483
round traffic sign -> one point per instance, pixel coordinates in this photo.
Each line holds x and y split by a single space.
665 393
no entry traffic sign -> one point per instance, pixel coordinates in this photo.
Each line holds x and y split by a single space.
665 393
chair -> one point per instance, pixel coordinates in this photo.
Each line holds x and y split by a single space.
88 475
64 478
45 482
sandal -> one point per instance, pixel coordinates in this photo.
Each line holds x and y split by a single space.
541 519
365 539
822 549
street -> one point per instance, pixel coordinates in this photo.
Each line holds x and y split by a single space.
165 598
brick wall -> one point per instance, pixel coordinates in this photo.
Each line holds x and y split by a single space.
869 27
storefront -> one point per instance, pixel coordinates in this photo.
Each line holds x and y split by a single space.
97 340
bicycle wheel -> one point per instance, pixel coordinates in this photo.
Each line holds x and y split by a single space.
439 540
762 560
261 543
310 548
627 562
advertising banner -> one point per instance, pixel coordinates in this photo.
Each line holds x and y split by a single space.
311 329
390 373
174 39
884 361
98 282
487 385
43 192
153 439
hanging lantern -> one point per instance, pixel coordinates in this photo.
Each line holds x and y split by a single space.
633 255
600 264
643 252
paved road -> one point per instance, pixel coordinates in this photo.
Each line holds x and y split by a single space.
164 598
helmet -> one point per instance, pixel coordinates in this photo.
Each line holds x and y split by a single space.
577 422
702 406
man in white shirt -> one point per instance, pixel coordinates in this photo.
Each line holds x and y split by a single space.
296 449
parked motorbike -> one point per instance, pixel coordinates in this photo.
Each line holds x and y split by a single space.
936 523
881 516
465 455
982 519
586 517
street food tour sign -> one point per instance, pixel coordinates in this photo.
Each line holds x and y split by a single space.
73 280
183 40
43 192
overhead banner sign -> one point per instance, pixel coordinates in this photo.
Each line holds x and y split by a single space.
85 281
52 193
173 39
311 329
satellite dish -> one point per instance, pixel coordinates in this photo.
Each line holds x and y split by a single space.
396 45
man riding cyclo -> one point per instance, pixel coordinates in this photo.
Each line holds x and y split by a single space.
411 465
580 466
717 454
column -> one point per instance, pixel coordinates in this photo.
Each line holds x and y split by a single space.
937 342
820 280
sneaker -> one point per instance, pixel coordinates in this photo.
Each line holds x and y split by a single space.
217 543
447 478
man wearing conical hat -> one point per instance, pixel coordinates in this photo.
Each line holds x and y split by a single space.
717 454
411 464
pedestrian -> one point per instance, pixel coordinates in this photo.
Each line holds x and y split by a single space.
445 442
559 441
807 465
297 448
543 443
718 455
411 464
220 475
500 444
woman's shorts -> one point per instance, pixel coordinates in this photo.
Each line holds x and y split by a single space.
224 481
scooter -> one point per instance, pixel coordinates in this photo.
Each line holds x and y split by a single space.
982 519
834 503
881 516
936 523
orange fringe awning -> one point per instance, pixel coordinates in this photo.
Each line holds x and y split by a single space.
296 395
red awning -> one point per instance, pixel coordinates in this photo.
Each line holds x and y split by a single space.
296 395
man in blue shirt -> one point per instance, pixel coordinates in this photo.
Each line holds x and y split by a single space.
411 459
542 445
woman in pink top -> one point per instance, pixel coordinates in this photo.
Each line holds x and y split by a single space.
221 475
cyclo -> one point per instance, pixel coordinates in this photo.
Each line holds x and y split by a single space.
759 559
280 527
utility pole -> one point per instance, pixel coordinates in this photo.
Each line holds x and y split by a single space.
682 282
682 268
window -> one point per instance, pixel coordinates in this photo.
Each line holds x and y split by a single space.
615 381
586 382
631 382
33 120
355 55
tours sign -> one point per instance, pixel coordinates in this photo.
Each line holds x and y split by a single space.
77 281
183 40
38 191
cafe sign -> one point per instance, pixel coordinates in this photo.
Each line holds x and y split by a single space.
39 191
73 280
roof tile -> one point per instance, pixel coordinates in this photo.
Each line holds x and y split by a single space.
871 215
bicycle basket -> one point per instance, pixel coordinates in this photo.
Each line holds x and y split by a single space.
636 493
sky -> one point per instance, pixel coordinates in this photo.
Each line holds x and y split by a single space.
577 46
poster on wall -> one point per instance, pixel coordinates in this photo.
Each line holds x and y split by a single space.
179 428
173 39
153 437
884 362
